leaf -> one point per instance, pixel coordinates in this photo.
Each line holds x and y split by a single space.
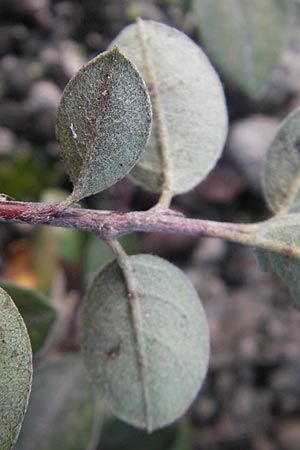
61 413
189 111
245 38
284 229
103 123
38 316
15 371
147 352
281 175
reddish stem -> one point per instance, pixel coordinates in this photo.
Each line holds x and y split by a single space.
111 224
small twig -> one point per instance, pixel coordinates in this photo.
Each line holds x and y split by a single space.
112 224
165 198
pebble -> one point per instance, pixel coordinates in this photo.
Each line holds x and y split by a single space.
44 96
288 433
209 251
7 141
24 7
16 76
62 60
248 142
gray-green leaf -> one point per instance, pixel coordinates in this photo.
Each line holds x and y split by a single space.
37 314
103 123
15 371
146 351
189 111
61 413
245 38
281 175
286 230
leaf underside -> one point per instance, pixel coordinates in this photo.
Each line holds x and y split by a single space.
15 371
245 38
281 175
189 112
146 353
103 122
286 230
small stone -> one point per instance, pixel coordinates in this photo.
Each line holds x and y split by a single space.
24 7
16 76
44 96
66 58
7 141
209 251
288 433
248 143
206 408
71 57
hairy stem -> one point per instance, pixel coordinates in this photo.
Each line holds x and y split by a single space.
165 198
111 224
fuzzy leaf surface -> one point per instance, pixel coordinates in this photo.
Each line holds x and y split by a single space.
189 111
245 38
281 175
61 412
284 229
147 352
38 316
15 371
103 122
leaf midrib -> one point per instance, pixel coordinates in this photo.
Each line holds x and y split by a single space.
106 85
137 323
158 110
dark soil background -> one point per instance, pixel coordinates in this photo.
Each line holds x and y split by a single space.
251 397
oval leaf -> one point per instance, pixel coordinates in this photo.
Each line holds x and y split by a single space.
189 112
147 352
286 230
38 316
15 371
61 412
281 176
103 123
245 38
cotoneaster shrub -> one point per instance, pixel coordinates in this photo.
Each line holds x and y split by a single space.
152 106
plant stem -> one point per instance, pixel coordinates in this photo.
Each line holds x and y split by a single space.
165 199
110 224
